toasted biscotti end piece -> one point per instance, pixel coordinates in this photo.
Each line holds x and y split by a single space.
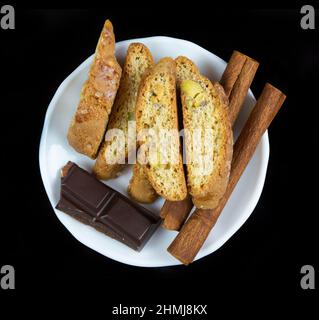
156 109
88 126
139 187
112 153
208 135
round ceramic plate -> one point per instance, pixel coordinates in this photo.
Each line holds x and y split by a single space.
55 152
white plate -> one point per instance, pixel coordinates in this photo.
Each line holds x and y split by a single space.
55 152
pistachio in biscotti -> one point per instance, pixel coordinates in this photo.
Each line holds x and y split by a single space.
195 94
191 88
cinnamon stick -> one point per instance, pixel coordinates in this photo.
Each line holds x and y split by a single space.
175 213
196 230
232 71
236 80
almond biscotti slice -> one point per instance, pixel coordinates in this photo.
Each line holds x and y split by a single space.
208 135
156 111
112 153
88 126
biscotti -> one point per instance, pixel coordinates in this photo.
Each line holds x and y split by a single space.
88 126
114 153
139 187
208 135
156 110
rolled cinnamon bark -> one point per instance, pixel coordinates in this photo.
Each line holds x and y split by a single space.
175 213
236 80
196 230
232 71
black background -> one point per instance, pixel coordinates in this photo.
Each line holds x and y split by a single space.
264 257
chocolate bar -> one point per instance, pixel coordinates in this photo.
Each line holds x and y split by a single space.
92 202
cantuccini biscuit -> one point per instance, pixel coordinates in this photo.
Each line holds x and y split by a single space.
112 153
88 126
208 135
156 109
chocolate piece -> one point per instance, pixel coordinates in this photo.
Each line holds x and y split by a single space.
90 201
